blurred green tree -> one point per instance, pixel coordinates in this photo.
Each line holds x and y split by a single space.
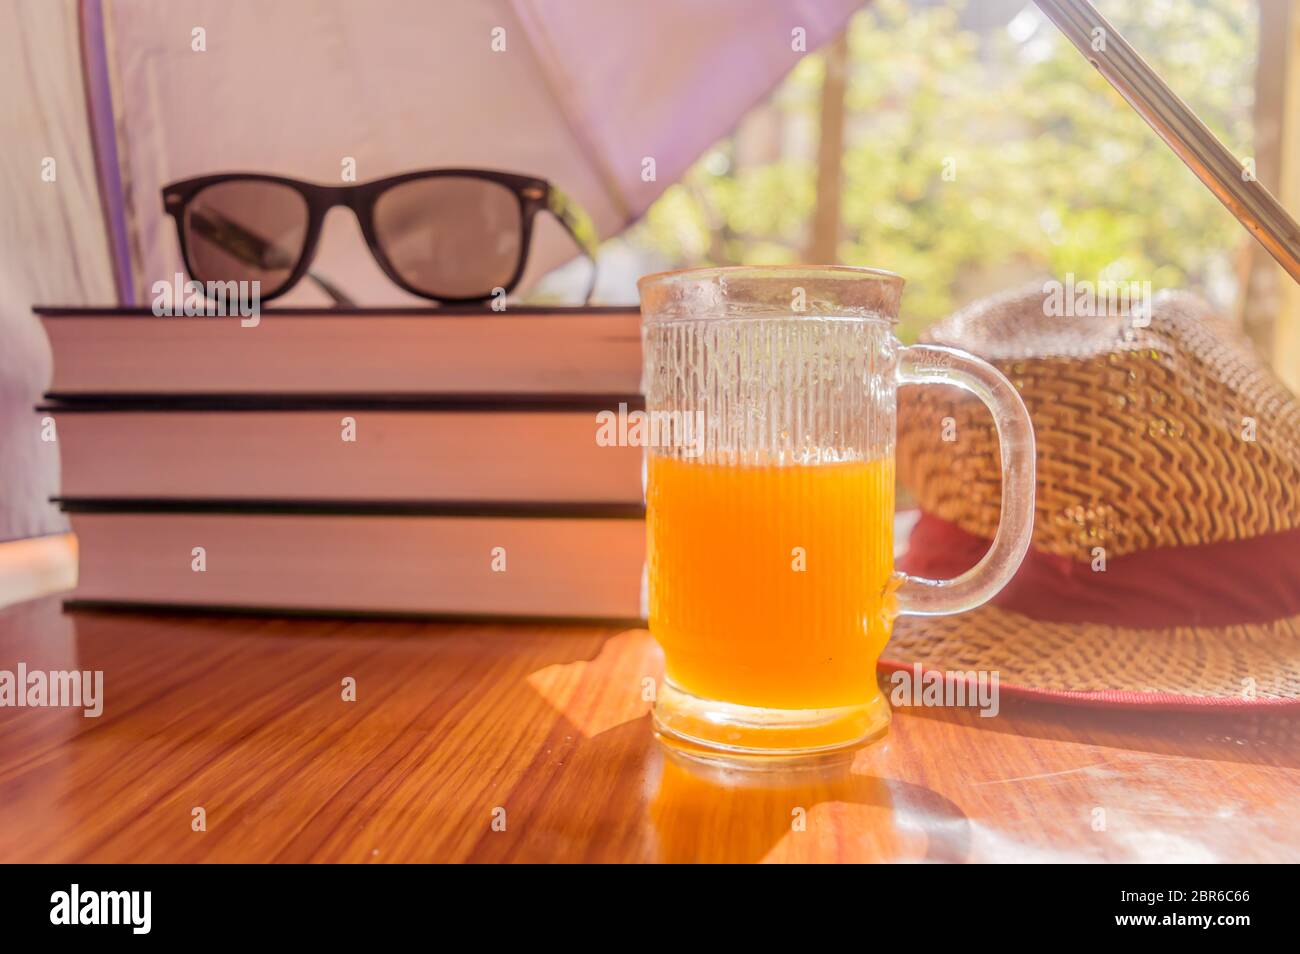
983 156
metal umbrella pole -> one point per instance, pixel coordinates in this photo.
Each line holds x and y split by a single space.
1175 123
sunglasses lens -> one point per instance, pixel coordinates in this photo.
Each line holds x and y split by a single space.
246 230
451 236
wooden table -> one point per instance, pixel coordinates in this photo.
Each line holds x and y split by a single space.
459 731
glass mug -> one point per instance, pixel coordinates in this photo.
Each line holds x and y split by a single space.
771 396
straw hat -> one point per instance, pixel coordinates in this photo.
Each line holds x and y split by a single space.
1165 564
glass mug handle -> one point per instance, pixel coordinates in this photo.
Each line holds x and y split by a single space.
930 364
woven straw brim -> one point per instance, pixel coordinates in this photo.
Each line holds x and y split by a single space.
1182 667
1172 435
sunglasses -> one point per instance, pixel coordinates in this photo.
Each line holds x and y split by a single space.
450 235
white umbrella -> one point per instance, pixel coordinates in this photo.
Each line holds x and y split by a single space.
612 101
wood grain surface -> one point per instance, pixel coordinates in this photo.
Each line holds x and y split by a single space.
545 731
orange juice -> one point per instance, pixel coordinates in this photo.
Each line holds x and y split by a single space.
770 586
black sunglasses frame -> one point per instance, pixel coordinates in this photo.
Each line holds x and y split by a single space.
534 195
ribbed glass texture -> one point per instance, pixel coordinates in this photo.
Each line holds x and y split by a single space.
775 390
770 506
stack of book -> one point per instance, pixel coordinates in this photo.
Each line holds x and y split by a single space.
429 462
